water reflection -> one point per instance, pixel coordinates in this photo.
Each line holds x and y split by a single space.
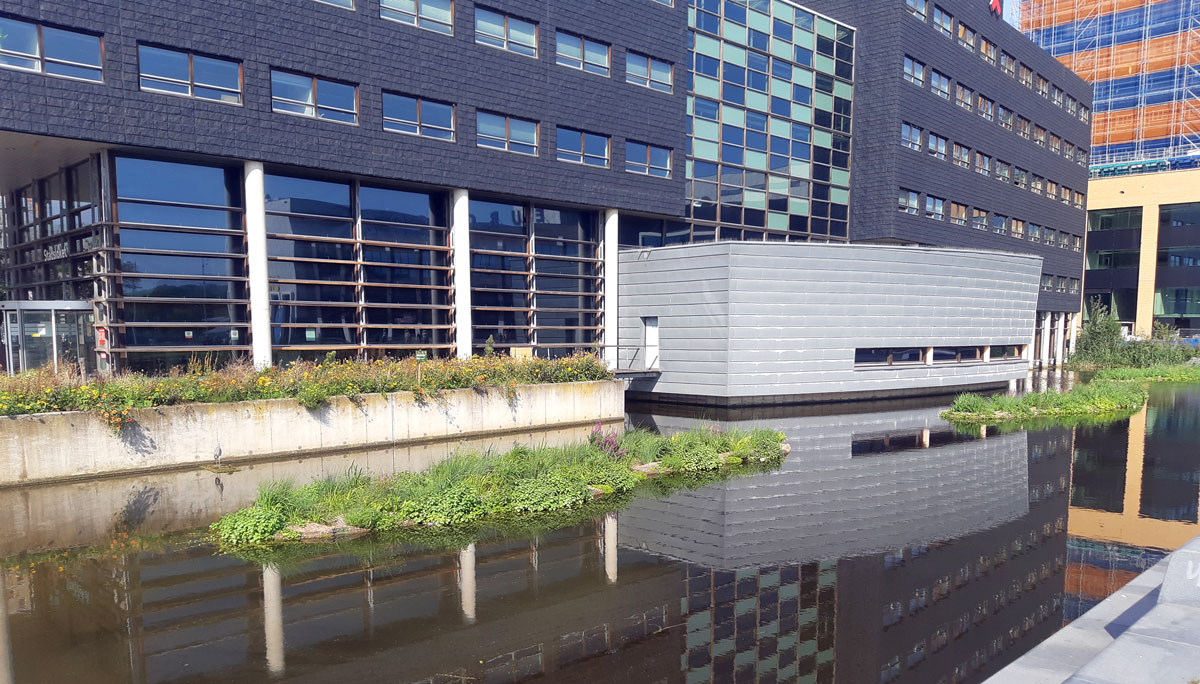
887 543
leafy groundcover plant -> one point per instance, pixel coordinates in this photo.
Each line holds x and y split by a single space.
469 490
1096 398
312 384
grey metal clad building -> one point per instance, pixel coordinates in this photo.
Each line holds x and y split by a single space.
745 323
295 177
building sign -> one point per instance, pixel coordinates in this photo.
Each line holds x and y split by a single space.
55 252
998 7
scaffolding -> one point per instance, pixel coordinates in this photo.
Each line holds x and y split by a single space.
1143 57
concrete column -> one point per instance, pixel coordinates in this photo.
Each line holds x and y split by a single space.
1045 345
6 657
460 242
273 619
1060 340
987 354
610 244
256 265
610 548
1147 271
466 583
928 356
1074 328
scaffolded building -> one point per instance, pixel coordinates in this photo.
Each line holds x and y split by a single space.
1143 56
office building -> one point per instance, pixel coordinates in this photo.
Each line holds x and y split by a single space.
369 177
1143 59
358 178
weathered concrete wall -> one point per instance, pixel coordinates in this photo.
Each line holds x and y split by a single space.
60 446
86 513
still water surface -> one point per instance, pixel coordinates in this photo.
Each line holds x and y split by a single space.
888 547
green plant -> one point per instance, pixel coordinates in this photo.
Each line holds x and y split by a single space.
1091 399
254 525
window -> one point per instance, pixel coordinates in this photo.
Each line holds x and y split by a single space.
1006 118
1073 288
917 653
1084 114
1057 96
581 53
310 96
1049 237
1061 284
987 51
1055 144
937 146
958 214
1039 135
962 156
1023 126
914 71
1003 171
182 73
983 164
1035 232
979 219
650 160
910 137
890 670
505 32
888 357
1043 87
1077 199
25 46
649 72
1081 156
1068 150
943 22
1076 243
1008 64
909 202
1025 76
506 133
987 108
963 96
1051 189
578 147
939 83
1035 186
999 224
433 15
935 207
1072 106
348 4
1020 177
966 37
427 118
1016 228
1064 194
1116 219
917 7
892 613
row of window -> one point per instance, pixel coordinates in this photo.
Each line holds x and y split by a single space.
982 219
916 72
1060 284
1169 216
883 356
941 148
969 39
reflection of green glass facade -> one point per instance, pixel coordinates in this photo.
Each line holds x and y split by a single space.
769 122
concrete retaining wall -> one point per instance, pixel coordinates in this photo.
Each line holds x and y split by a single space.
62 446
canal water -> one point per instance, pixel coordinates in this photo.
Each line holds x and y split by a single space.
887 547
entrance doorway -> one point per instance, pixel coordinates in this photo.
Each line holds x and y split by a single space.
61 335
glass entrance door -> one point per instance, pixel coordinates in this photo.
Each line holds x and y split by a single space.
37 339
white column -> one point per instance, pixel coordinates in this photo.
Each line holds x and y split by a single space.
460 242
6 658
1074 328
610 246
466 583
256 265
610 547
1045 345
1060 340
987 353
273 619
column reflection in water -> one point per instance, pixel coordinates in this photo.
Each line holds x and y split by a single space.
466 582
273 619
6 665
610 547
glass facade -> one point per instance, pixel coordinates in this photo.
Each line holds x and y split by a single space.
50 235
353 266
769 104
535 277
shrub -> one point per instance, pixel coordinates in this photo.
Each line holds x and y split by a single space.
253 525
690 452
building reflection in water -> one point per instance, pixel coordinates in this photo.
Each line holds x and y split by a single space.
1135 493
887 543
